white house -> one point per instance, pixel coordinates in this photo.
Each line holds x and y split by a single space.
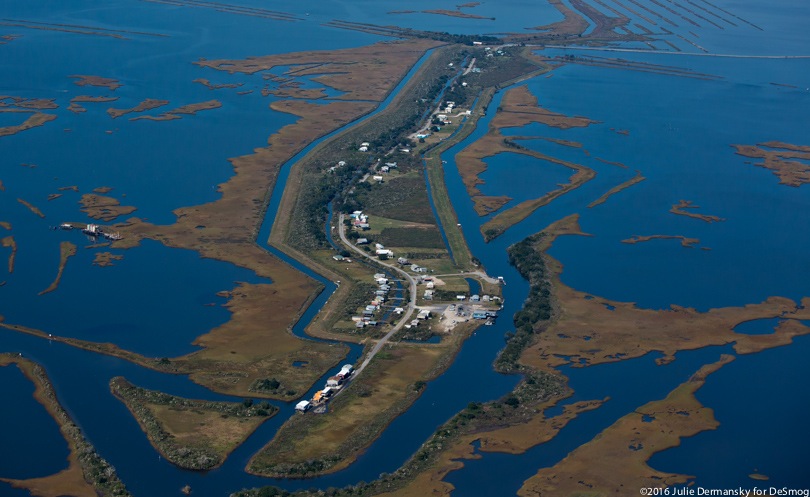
303 406
363 149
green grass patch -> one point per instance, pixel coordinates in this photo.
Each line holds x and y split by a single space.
411 238
403 197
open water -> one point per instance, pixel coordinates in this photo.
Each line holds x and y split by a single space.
679 133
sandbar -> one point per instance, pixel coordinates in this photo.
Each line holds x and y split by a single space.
638 178
10 242
85 80
36 119
189 109
75 101
685 241
104 259
216 86
66 251
456 13
28 103
31 207
91 98
148 104
681 209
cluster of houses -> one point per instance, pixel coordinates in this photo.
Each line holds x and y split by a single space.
416 268
380 296
429 286
360 222
379 170
478 298
333 384
423 315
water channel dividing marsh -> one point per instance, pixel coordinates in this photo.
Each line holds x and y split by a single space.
676 132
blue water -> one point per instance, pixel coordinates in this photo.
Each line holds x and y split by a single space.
679 136
593 383
170 295
475 286
758 327
22 420
759 401
10 491
525 177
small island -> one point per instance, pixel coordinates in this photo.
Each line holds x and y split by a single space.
193 434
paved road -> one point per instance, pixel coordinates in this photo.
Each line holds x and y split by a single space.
411 305
484 276
469 67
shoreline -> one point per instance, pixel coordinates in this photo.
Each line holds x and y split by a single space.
84 464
